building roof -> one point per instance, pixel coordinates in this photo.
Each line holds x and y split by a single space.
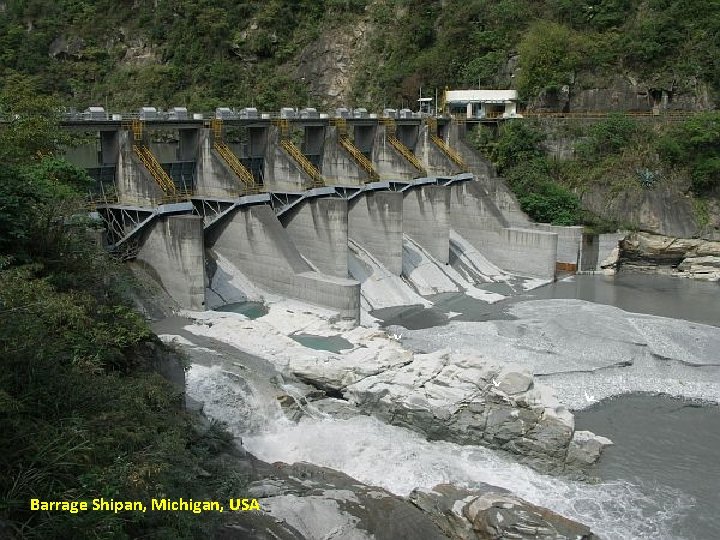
478 96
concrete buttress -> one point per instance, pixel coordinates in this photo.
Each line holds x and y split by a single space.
281 172
435 161
338 167
214 178
426 219
319 230
375 221
173 249
135 184
388 163
254 241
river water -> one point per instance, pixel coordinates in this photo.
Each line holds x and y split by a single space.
661 479
661 444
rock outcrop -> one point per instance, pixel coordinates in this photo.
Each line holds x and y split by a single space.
494 513
467 400
695 258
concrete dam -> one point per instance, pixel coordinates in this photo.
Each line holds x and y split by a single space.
283 198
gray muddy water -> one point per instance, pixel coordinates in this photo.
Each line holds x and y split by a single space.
661 441
663 296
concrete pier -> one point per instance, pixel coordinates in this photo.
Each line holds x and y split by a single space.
214 178
172 248
426 219
254 241
281 172
319 230
338 167
569 245
436 162
525 252
135 184
388 162
596 248
375 221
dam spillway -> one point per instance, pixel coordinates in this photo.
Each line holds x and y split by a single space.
283 199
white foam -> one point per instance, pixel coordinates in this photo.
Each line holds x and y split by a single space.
400 460
431 277
380 288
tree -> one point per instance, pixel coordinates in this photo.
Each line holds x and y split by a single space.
550 54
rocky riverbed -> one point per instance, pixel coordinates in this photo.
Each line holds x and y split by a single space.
307 501
460 422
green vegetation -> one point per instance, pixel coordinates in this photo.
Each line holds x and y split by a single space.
550 55
204 53
617 155
695 144
82 413
517 153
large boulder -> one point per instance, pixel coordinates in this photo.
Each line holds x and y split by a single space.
467 400
490 512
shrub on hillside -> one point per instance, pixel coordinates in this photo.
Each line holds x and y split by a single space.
695 144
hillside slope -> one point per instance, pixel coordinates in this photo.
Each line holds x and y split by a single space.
623 54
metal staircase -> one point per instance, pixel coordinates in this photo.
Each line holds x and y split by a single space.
158 173
364 163
295 153
404 151
454 156
307 167
231 159
347 144
147 158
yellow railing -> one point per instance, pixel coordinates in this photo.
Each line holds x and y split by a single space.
216 124
158 173
359 157
284 125
304 163
389 123
449 152
137 129
340 124
237 167
406 153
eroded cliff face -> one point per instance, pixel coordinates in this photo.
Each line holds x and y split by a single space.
627 93
695 258
665 211
328 65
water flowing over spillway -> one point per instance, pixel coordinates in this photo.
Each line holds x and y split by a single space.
400 460
580 348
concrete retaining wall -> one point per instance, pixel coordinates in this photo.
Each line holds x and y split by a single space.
375 221
254 240
524 252
484 171
569 243
174 251
319 230
426 219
